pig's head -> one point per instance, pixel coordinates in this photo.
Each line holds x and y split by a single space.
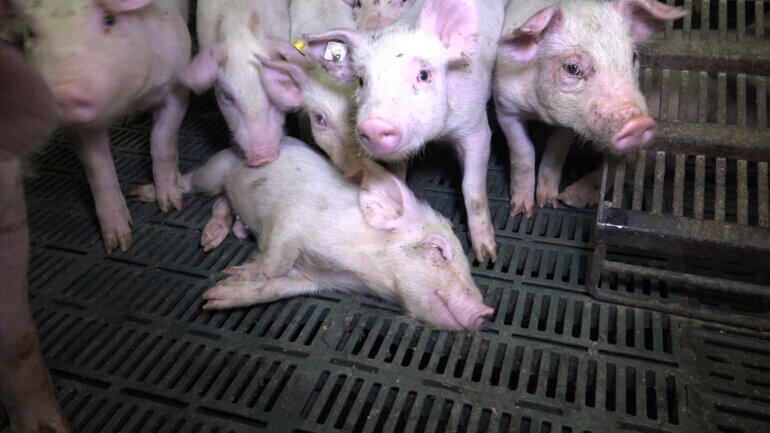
252 96
376 14
402 71
586 71
430 269
327 105
92 53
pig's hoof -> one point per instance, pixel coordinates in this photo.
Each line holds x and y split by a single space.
43 418
232 294
547 196
484 244
168 196
241 273
522 203
116 229
145 193
580 194
214 233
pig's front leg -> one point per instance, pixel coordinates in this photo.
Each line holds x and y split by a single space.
25 388
474 152
275 259
93 149
522 155
164 143
549 173
245 293
218 226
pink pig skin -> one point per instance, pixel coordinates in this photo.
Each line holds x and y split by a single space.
27 115
376 14
105 59
571 64
376 238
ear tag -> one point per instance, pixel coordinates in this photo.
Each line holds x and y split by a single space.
300 46
335 51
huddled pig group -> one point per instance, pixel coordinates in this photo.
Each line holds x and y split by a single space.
375 82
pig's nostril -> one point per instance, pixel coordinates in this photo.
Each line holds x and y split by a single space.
379 136
636 132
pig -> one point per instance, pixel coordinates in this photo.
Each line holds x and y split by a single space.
376 14
425 77
571 64
252 98
316 231
104 59
27 116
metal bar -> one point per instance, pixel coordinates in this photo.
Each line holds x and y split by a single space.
663 111
684 84
722 98
687 21
703 95
714 140
762 193
741 99
679 185
595 275
741 19
641 158
660 175
719 193
761 103
669 28
722 20
620 177
759 17
603 189
700 183
743 193
705 9
692 281
706 55
672 236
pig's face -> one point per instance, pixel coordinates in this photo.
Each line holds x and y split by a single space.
376 14
74 44
586 69
402 71
429 266
252 97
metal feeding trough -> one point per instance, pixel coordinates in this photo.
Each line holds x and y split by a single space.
701 192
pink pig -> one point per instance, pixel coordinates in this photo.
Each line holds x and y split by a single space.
571 64
104 59
317 231
425 77
376 14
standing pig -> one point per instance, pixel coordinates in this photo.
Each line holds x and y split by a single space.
571 63
252 97
317 231
105 59
27 115
376 14
425 77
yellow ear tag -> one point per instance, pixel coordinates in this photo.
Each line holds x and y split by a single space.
300 46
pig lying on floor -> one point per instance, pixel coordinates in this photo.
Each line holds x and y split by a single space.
317 231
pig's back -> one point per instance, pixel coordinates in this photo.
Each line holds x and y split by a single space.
301 189
313 16
218 18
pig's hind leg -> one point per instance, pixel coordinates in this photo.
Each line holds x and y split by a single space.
218 226
549 173
245 293
164 147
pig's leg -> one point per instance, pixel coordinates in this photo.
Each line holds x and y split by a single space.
164 143
275 259
115 220
586 190
474 152
245 293
25 388
549 173
522 155
218 226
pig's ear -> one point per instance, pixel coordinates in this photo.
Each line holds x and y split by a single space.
279 49
332 50
455 22
439 249
283 82
522 44
385 201
201 73
118 6
647 16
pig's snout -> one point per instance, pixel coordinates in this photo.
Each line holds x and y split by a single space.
260 157
636 132
473 316
379 136
74 105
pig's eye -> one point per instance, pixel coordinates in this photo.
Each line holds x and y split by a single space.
360 81
109 20
635 58
320 120
572 69
31 34
423 76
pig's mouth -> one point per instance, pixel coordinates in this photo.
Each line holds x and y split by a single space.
77 110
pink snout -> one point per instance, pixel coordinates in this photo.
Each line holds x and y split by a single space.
257 157
379 136
74 106
636 132
463 309
473 315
